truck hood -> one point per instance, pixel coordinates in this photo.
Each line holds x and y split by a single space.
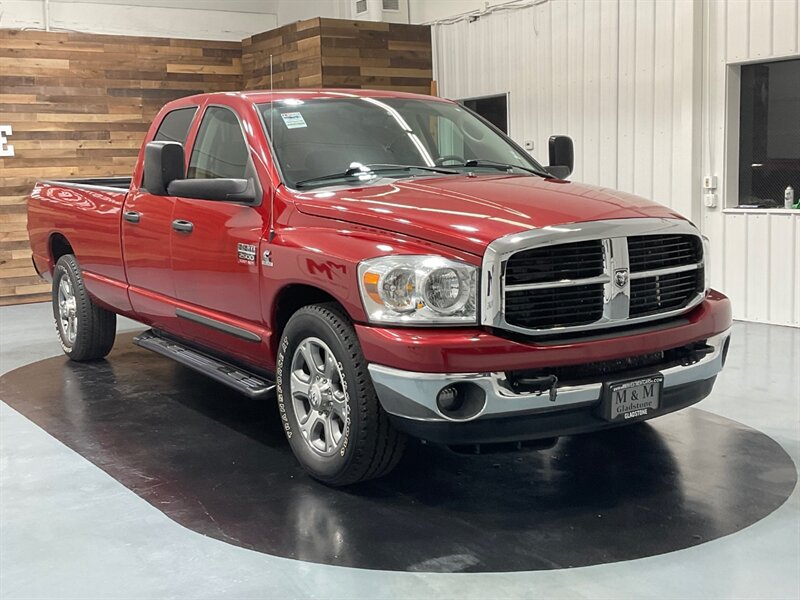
468 213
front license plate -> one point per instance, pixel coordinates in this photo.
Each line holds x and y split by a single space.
632 399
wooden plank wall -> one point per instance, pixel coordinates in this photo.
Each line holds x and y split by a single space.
79 106
384 56
296 57
341 54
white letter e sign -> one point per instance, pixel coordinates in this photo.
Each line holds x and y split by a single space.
6 149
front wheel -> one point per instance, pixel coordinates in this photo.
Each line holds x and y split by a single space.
330 412
86 331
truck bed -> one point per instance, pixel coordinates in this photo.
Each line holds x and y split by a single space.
86 212
116 183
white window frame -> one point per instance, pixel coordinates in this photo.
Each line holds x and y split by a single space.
729 200
495 95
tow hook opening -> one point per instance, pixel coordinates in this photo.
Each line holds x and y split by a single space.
535 385
695 353
461 401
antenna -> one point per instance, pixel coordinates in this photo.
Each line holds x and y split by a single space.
271 233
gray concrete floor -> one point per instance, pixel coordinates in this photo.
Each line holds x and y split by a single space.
69 530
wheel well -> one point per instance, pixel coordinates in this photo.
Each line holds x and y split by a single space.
59 246
291 299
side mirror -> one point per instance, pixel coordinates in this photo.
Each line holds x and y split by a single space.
231 190
163 164
562 156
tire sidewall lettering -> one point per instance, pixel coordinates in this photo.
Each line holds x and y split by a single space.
346 434
287 427
284 409
63 272
94 326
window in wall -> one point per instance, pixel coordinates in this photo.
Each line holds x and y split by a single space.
219 150
769 133
175 126
492 108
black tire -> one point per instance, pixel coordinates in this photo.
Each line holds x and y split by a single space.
369 446
91 336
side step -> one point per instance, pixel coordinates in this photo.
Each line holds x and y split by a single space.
253 386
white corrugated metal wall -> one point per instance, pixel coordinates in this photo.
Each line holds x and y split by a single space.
757 252
624 78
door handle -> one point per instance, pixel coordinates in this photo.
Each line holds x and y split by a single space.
132 216
182 226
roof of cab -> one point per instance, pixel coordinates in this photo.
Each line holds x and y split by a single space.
258 96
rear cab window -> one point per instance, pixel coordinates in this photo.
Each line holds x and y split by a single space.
175 125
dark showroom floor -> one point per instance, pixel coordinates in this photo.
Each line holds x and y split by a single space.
135 478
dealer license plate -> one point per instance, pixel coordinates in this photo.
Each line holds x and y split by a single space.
632 399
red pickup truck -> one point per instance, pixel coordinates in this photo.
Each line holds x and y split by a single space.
384 264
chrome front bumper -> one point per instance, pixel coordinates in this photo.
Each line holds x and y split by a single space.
412 395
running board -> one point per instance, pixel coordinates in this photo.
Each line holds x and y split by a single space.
253 386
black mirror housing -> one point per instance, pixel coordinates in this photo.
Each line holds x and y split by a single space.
226 190
558 171
562 155
164 162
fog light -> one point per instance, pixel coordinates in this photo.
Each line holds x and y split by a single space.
448 399
461 401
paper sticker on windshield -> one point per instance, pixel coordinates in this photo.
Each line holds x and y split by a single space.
293 120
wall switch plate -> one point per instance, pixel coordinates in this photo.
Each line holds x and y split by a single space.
710 199
710 182
528 145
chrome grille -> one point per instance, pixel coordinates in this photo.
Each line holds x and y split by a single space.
555 307
659 293
591 275
648 252
552 263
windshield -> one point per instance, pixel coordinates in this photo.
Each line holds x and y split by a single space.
323 138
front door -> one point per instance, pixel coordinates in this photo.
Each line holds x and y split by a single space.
146 235
215 264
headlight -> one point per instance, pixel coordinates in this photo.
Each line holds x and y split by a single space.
417 290
707 262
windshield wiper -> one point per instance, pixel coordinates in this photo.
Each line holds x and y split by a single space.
483 162
370 169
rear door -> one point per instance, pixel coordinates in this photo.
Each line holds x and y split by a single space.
146 235
215 263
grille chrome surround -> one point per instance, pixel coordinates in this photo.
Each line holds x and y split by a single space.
617 279
541 265
656 252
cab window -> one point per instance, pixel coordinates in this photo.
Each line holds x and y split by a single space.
175 125
219 150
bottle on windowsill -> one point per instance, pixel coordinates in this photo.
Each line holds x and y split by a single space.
788 197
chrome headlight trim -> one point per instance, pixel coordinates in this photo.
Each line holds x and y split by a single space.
374 272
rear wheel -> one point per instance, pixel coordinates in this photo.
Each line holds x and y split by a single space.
85 330
330 412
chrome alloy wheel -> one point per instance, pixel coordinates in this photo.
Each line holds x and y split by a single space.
67 311
318 396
